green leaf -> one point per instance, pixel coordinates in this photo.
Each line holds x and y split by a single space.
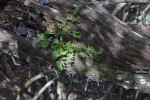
76 81
49 39
67 46
75 5
48 32
148 27
54 55
74 48
56 44
98 53
143 16
75 36
71 20
81 55
57 18
119 72
90 49
68 18
87 11
45 44
63 53
61 38
37 41
75 11
70 61
60 65
82 47
60 68
41 37
70 56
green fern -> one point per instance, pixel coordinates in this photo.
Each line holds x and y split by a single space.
98 53
82 47
64 51
75 11
90 49
48 32
81 55
72 20
60 65
45 43
41 37
54 55
70 58
75 34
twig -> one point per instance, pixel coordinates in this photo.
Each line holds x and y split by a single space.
44 88
86 85
33 79
30 82
15 63
147 8
118 8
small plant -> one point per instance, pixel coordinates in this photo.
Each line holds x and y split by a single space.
44 38
67 31
75 11
63 50
76 81
87 12
119 72
72 20
94 54
93 74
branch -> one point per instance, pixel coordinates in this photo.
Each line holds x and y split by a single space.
119 7
35 78
146 9
44 88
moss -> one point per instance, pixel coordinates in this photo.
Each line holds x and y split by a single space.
112 75
146 67
119 72
93 74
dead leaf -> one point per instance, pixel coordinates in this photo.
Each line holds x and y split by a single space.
2 21
53 25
